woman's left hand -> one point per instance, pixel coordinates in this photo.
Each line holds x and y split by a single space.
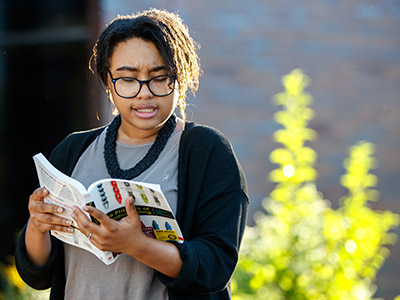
110 235
126 236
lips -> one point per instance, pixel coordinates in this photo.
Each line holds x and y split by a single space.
145 112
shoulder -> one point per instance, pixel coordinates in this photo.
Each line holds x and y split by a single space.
207 144
67 152
203 135
80 138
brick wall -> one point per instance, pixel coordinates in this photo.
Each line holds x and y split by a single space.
351 51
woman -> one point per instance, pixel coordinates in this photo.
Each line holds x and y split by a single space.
147 62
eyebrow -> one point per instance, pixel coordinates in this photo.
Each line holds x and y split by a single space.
133 69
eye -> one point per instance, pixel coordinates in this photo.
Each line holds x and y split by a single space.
127 79
162 78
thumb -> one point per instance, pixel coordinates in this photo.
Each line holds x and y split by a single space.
131 209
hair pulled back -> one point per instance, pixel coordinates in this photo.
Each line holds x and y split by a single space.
170 36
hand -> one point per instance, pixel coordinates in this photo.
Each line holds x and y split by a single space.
42 215
42 219
115 236
126 236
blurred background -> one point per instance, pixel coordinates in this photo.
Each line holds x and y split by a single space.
349 48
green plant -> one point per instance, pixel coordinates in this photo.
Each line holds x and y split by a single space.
302 248
12 286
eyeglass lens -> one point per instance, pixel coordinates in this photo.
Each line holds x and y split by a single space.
130 87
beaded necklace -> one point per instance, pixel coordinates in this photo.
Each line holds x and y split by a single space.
110 155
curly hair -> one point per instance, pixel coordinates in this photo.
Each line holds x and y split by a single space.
168 33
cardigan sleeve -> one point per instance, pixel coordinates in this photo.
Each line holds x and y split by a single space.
64 158
37 277
212 212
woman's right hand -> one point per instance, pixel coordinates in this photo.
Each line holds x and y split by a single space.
42 219
43 215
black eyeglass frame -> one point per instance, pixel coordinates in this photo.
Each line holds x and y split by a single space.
141 82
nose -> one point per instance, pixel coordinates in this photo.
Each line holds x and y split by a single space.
144 91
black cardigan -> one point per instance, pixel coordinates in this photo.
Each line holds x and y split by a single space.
212 211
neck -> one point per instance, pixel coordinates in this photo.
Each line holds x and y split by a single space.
110 156
137 137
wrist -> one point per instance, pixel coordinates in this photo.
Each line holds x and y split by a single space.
32 228
139 246
38 244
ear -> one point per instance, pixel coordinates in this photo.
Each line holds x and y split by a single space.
109 95
182 107
110 99
108 84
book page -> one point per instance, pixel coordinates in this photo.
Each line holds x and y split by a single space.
109 196
63 188
66 192
158 220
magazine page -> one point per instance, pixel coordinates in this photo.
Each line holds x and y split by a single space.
63 190
158 220
67 192
109 196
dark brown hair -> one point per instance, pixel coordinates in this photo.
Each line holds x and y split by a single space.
168 33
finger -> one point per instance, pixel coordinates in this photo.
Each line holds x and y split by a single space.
36 202
46 227
43 191
97 214
52 219
39 194
131 209
85 225
46 222
41 207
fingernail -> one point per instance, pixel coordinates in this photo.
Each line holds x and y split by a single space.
68 222
59 210
70 229
85 208
73 216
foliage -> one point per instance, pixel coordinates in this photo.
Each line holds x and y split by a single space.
302 248
12 286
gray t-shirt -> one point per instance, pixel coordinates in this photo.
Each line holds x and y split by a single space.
87 277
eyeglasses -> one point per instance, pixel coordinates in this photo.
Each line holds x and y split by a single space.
129 87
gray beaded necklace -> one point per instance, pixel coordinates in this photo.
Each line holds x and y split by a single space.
110 156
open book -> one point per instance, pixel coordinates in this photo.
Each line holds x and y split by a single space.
107 195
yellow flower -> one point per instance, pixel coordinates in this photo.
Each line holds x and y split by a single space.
14 278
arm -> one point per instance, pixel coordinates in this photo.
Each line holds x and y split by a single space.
36 251
34 248
159 255
42 216
212 211
210 257
42 220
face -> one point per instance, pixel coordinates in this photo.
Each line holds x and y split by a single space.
144 115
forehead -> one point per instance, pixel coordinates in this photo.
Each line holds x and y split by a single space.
137 53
